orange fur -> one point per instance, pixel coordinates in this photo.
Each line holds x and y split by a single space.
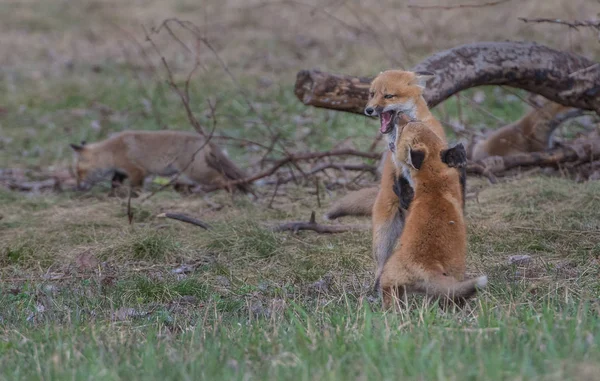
431 253
401 91
531 133
137 154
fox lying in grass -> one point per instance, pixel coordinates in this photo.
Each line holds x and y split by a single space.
531 133
430 255
138 154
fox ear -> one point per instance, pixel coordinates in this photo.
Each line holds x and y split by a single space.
77 147
455 157
421 78
416 158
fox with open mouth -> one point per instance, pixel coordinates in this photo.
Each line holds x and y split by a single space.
396 97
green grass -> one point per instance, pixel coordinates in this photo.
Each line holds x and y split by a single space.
247 306
551 340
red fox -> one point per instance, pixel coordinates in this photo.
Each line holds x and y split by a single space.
396 97
431 253
137 154
531 133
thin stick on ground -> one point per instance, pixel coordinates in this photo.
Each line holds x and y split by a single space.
296 226
458 6
186 219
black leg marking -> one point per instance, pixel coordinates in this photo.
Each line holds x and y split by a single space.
463 183
118 179
403 191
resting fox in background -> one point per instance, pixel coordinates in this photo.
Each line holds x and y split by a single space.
137 154
431 253
531 133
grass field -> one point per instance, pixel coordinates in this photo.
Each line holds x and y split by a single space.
86 295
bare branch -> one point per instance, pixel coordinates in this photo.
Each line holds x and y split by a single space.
296 226
575 24
458 6
181 93
185 218
293 158
336 166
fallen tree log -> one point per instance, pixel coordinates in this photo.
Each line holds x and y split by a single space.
562 77
571 155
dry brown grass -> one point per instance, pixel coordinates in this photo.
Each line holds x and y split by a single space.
274 38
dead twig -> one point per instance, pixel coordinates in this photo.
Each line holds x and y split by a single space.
458 6
200 38
294 158
185 218
183 94
296 226
575 24
339 167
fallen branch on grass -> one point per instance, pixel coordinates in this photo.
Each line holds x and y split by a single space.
296 226
185 218
479 169
562 77
572 155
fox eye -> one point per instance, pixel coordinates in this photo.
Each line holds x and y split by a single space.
371 94
388 96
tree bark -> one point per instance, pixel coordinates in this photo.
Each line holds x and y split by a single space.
562 77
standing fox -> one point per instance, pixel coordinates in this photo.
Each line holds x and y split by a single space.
431 253
531 133
396 96
137 154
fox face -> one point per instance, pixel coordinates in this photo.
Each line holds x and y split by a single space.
88 167
418 144
393 96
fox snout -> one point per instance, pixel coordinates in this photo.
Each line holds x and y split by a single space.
373 111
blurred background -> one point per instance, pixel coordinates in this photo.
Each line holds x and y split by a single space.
79 70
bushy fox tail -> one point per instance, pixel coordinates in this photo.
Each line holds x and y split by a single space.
359 203
448 287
